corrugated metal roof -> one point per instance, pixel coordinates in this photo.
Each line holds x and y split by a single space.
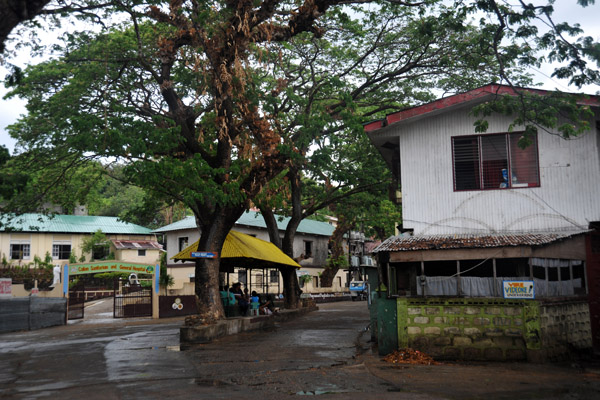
72 224
186 223
136 244
256 220
466 241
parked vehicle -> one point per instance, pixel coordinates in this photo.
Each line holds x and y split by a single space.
358 290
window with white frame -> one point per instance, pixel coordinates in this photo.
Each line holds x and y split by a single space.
142 253
494 161
20 250
61 250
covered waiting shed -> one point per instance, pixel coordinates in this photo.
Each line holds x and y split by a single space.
243 251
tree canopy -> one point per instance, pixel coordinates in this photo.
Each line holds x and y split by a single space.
207 103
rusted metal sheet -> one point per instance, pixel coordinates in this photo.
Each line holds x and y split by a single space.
460 241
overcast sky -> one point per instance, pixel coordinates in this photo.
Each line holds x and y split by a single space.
565 10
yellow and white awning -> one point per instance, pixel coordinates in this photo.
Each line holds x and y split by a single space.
243 251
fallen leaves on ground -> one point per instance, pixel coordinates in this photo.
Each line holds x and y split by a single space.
409 356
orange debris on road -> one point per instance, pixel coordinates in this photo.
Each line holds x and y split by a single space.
409 356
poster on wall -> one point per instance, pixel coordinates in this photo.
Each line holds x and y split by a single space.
518 289
5 287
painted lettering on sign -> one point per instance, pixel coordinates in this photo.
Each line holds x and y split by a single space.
6 287
518 289
204 254
98 267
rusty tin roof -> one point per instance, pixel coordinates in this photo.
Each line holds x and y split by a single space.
471 241
136 244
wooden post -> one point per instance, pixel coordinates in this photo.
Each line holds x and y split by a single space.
422 274
458 285
495 281
571 275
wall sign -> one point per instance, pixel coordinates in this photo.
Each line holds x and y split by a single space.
110 266
204 254
518 289
5 287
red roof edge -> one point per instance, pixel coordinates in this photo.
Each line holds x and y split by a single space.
491 89
373 126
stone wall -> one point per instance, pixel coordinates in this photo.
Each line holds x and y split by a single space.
493 329
565 327
29 313
468 329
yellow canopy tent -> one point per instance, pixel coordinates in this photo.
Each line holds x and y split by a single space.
244 251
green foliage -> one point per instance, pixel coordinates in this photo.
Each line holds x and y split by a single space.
165 280
532 111
106 279
27 275
95 241
337 262
46 263
304 279
212 105
72 257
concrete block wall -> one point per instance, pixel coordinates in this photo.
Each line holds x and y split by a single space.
468 329
565 327
29 313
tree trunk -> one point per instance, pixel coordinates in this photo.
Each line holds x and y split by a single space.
337 253
272 227
212 236
290 278
16 11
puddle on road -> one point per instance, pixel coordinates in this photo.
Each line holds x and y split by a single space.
316 392
173 348
330 389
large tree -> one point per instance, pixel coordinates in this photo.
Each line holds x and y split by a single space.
178 92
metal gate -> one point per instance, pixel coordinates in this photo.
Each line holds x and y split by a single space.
132 300
76 301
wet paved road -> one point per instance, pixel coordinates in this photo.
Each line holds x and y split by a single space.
323 353
94 359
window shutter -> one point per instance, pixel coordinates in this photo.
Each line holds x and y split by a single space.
466 163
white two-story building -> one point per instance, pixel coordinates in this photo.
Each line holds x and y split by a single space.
479 210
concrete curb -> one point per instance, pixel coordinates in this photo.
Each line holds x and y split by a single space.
232 326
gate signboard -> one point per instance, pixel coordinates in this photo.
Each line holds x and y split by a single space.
131 299
110 266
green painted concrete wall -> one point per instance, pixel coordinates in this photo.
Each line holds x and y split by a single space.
493 329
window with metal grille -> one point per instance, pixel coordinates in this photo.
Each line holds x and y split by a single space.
142 253
61 251
19 251
494 162
274 275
